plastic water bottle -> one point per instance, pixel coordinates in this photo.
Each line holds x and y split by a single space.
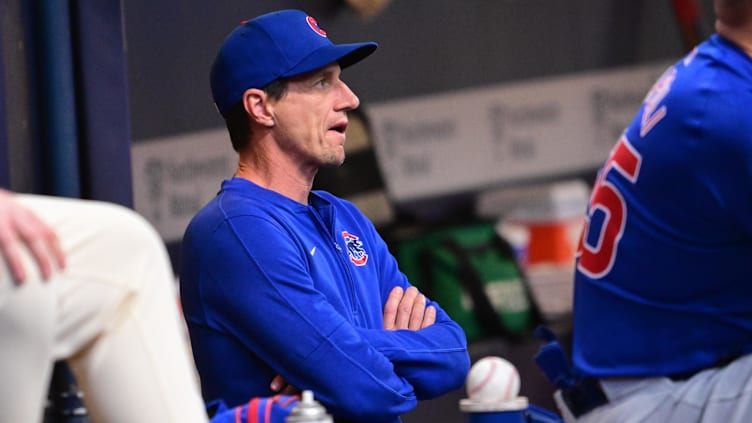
309 410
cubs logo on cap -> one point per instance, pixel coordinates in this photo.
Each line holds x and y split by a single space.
315 26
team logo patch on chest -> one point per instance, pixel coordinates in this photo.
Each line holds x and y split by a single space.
355 250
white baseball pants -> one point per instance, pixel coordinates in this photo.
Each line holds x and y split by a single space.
715 395
112 313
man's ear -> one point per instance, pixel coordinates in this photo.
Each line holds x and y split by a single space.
256 104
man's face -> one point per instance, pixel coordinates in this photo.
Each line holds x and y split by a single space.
311 117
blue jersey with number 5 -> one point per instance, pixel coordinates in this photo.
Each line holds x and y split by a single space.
664 269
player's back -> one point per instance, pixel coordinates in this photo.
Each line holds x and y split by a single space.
662 282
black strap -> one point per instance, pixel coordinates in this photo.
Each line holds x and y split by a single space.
503 245
485 312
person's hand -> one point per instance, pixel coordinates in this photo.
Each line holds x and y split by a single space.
407 310
280 386
20 228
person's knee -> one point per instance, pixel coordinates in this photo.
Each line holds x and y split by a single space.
130 229
117 246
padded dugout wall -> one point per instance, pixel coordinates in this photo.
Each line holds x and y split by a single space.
64 119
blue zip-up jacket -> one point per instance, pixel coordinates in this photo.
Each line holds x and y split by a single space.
271 286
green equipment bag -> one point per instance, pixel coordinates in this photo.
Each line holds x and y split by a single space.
473 273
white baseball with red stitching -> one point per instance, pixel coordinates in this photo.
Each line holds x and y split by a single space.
492 379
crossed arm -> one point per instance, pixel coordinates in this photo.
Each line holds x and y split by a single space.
403 310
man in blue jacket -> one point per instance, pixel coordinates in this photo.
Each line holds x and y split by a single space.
284 285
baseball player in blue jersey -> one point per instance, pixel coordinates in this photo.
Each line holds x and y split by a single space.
663 296
287 287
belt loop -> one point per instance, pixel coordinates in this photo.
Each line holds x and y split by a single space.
584 396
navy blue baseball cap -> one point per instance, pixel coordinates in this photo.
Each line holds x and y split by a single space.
280 44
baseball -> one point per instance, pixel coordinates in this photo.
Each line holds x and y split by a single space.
492 379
